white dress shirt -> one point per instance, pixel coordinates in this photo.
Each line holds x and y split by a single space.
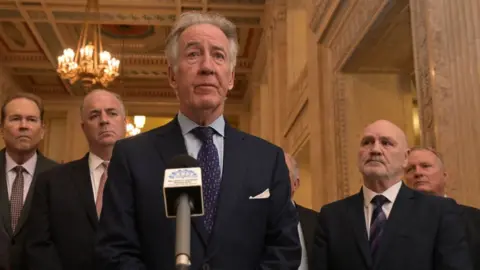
96 171
391 194
11 174
304 261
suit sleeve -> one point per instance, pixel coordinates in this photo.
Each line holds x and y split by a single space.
40 248
117 244
451 250
320 244
282 243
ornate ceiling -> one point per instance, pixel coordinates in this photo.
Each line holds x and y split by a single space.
33 33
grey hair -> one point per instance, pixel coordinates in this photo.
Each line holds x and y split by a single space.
117 96
295 170
191 18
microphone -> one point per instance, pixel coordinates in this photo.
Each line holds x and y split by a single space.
183 199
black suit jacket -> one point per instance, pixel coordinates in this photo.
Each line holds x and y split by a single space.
16 248
63 219
423 232
471 217
308 221
134 233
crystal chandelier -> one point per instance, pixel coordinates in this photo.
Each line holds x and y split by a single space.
136 127
89 64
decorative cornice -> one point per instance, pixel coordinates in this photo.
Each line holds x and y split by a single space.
320 10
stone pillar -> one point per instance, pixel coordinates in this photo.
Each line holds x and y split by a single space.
244 121
446 38
254 128
76 144
7 84
7 87
266 112
277 69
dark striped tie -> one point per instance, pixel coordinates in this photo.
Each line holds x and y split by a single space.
378 222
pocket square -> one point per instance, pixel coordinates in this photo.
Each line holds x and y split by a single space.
264 195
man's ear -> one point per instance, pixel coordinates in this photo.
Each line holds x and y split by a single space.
405 161
231 82
172 78
42 131
296 184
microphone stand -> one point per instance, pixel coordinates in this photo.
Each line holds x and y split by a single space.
182 245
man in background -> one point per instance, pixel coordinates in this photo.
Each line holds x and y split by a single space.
388 225
22 128
68 199
307 217
425 172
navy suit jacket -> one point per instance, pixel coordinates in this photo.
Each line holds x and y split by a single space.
63 219
471 216
423 232
14 249
134 234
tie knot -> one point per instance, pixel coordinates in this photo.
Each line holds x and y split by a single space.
203 133
105 164
379 200
19 169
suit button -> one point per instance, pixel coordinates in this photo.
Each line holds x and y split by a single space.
206 266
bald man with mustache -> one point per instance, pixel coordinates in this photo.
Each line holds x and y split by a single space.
388 225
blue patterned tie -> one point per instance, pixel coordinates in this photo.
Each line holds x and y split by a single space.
210 164
378 222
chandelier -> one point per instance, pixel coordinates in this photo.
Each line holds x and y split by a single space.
136 127
89 64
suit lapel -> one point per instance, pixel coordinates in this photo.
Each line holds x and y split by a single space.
357 215
397 220
170 143
234 168
81 179
4 201
39 168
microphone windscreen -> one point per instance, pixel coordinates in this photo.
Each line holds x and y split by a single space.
182 161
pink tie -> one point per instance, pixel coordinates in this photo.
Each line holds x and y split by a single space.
101 186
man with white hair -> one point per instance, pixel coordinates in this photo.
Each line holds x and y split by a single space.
249 221
306 216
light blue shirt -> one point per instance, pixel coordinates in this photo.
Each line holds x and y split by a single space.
193 144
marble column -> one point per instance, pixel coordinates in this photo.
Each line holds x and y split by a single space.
446 42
